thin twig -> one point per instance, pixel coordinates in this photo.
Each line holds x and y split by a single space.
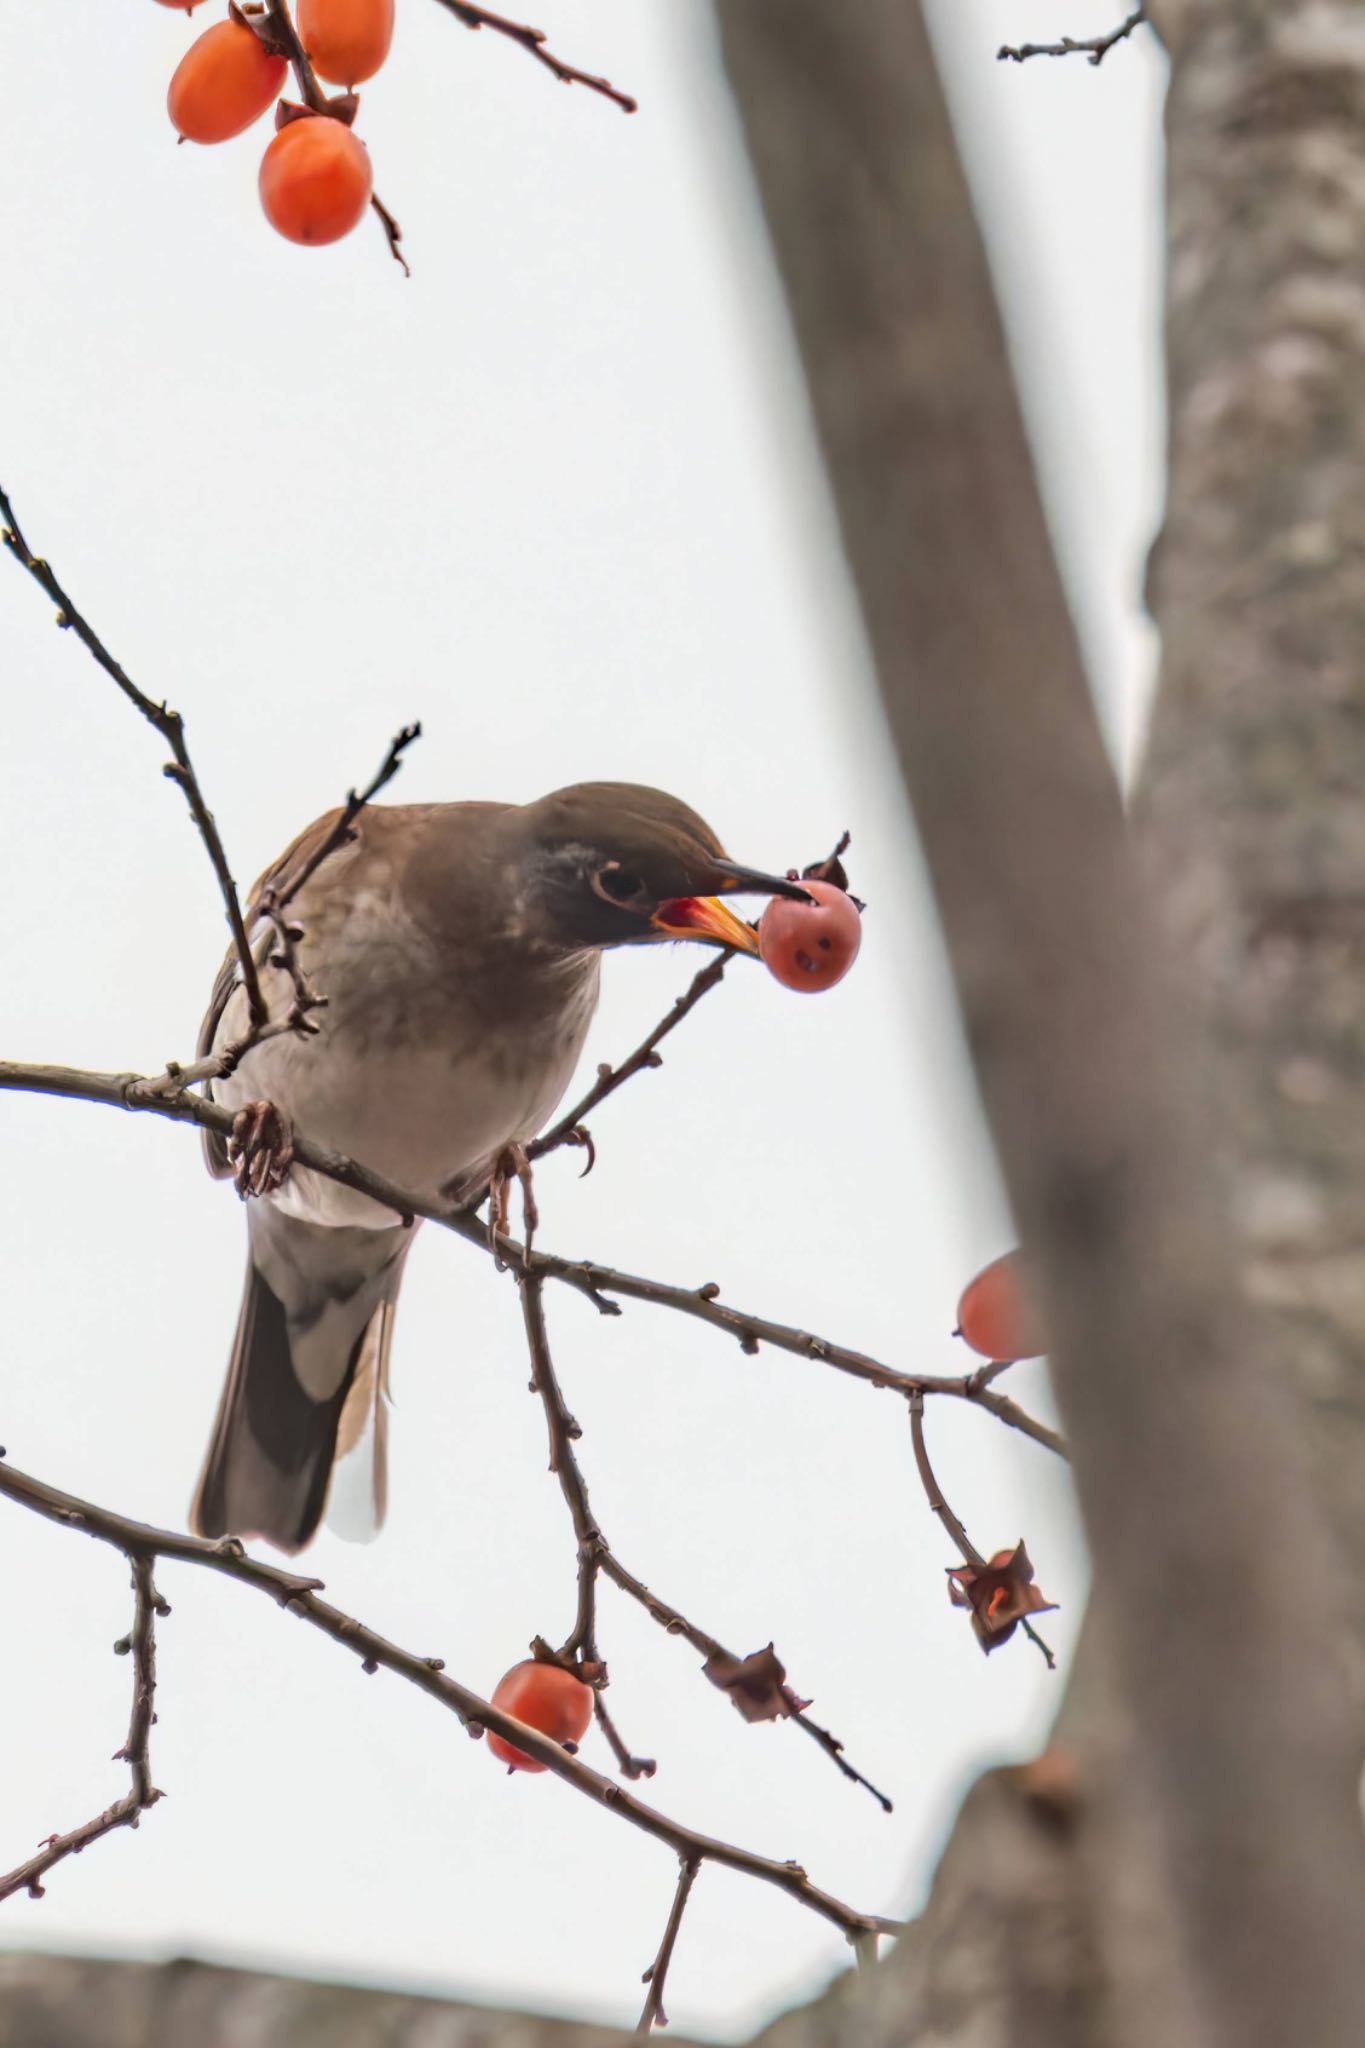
169 1095
350 811
169 724
630 1766
140 1644
596 1557
277 946
599 1283
933 1493
570 1128
534 40
834 1749
281 35
1095 48
655 1976
283 953
582 1642
389 223
300 1596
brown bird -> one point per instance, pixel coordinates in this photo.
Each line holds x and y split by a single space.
457 947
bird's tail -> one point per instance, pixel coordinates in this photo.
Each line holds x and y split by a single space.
306 1391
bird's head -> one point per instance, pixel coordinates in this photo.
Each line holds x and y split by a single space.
615 864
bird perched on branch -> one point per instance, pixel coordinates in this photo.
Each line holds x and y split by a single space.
457 947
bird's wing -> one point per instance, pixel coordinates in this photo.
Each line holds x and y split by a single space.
275 876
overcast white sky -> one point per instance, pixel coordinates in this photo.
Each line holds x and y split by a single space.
555 497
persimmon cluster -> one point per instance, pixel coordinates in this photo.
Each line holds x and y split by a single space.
315 177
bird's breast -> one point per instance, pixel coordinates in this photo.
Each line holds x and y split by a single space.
425 1064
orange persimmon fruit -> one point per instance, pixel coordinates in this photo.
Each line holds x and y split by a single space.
315 180
547 1697
225 81
810 946
346 40
997 1315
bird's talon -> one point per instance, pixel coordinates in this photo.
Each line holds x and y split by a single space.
261 1149
581 1135
512 1163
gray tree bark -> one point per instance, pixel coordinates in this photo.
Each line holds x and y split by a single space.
70 2002
1214 1677
1256 772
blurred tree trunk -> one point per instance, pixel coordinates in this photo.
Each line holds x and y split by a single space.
1254 795
74 2002
1206 1879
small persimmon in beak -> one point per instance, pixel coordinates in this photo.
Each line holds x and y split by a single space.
706 918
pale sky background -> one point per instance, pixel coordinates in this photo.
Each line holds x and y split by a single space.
556 497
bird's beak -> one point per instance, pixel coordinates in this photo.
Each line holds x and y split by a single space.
706 917
733 877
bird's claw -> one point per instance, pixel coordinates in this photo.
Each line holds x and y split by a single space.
261 1149
511 1164
581 1135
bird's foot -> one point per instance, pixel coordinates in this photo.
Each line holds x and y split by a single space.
261 1149
511 1164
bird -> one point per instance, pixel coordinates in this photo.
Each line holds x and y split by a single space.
457 948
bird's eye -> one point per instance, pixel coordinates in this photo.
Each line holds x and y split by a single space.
618 884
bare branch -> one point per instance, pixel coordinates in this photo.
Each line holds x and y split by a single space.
1095 48
350 811
140 1644
570 1128
629 1766
595 1557
654 2014
171 727
582 1642
834 1749
140 1541
279 945
389 222
533 40
274 24
169 1095
933 1493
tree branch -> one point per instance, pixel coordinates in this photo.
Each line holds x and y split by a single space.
933 1493
169 724
142 1543
595 1557
169 1095
629 1766
1095 48
355 803
534 41
570 1128
654 2014
140 1645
